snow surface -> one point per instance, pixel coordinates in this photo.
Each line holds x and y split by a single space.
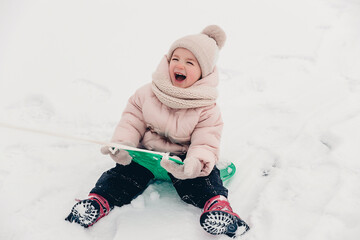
290 95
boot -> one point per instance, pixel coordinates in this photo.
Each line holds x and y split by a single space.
218 218
88 211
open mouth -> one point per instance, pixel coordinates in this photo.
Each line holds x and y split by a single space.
180 77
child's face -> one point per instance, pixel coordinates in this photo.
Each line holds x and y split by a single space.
184 68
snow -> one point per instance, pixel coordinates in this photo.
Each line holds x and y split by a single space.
289 92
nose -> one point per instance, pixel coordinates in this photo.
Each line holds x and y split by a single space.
179 66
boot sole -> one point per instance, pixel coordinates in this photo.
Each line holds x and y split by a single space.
84 213
220 222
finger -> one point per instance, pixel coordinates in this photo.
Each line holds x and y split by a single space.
175 169
206 169
105 150
167 164
204 174
123 154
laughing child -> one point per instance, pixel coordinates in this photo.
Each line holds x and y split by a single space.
175 113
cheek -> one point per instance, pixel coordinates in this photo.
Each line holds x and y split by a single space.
196 74
171 75
199 74
171 69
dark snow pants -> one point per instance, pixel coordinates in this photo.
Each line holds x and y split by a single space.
121 184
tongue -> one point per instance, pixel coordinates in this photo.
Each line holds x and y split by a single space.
180 77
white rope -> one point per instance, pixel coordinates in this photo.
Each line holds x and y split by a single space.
65 136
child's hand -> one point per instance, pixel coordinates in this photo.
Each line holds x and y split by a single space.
120 156
192 168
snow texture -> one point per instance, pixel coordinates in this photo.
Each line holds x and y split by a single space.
289 92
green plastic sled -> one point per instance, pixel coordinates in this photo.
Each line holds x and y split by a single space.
151 160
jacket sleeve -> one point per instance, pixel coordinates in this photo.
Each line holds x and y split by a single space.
205 140
132 126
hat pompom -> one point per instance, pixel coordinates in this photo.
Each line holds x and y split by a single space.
216 33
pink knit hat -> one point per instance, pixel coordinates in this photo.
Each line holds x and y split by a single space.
205 46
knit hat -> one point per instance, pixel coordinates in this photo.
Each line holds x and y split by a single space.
205 46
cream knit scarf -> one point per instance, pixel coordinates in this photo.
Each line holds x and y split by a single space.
200 94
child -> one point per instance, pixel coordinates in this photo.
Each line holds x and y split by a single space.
176 113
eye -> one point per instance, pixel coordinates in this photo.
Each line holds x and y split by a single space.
174 59
190 63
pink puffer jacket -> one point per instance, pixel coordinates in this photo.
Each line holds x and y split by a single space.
148 123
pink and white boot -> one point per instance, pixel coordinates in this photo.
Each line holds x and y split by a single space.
88 211
218 218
